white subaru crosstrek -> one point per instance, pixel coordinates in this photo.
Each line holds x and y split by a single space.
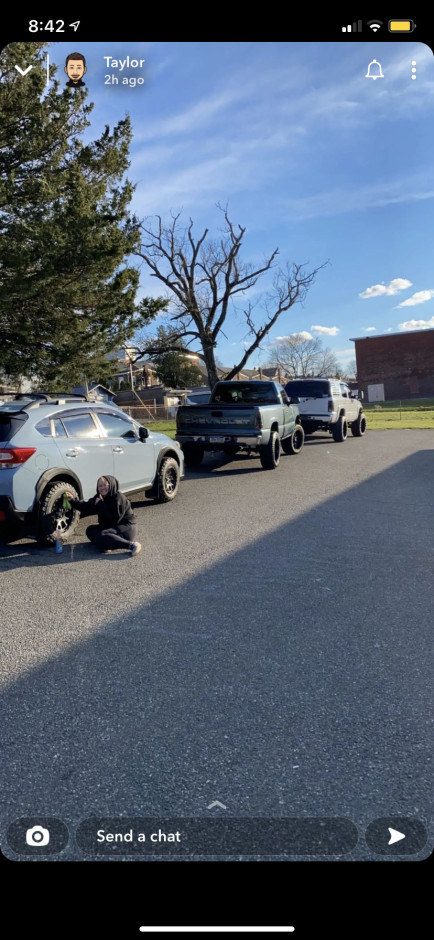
53 445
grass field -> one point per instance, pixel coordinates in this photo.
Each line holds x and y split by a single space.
166 427
391 415
381 416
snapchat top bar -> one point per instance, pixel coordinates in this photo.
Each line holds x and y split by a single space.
217 929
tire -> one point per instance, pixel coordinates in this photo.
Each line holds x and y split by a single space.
269 454
193 455
52 514
309 428
358 427
294 443
168 480
340 430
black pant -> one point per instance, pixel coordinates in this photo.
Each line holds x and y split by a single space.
120 536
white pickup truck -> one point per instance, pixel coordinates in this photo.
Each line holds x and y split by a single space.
328 405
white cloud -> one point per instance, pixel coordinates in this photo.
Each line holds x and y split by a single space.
341 200
377 290
201 112
417 324
369 329
326 330
303 334
420 297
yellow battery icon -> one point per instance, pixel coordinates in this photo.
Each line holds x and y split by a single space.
401 26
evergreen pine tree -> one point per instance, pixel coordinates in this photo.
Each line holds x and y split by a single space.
67 292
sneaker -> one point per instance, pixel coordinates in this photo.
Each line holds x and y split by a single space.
136 548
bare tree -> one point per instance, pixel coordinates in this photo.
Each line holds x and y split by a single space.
205 278
352 369
327 364
298 355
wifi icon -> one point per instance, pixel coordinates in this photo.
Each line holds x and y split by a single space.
375 25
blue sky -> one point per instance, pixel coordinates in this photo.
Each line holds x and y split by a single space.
308 154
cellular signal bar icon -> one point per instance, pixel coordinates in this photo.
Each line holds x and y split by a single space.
355 28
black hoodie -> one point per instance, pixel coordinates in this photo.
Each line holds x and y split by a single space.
112 510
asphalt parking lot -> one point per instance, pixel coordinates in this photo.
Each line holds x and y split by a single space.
270 648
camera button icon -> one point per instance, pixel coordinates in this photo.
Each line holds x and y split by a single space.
37 836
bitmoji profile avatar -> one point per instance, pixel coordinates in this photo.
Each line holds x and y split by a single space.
75 68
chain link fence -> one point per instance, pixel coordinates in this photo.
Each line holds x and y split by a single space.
149 412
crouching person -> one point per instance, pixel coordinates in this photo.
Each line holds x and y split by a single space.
116 521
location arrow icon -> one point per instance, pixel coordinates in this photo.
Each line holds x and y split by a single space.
395 836
23 71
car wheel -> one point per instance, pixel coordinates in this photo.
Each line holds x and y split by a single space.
358 427
294 443
168 480
53 518
269 454
193 456
309 428
340 430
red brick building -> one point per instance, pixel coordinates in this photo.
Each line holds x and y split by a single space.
396 365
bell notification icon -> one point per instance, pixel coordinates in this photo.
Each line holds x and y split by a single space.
374 70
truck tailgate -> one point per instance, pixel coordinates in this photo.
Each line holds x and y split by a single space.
221 419
314 406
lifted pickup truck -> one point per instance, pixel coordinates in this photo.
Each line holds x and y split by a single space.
250 416
328 405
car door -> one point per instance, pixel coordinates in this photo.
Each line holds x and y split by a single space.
351 408
83 448
133 459
288 414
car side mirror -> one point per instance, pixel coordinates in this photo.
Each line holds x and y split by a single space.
143 434
361 396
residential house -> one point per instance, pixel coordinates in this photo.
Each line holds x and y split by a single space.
96 390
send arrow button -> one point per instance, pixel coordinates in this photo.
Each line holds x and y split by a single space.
395 836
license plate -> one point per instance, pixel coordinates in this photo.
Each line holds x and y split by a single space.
216 440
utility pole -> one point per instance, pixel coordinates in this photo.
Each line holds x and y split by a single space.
130 362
